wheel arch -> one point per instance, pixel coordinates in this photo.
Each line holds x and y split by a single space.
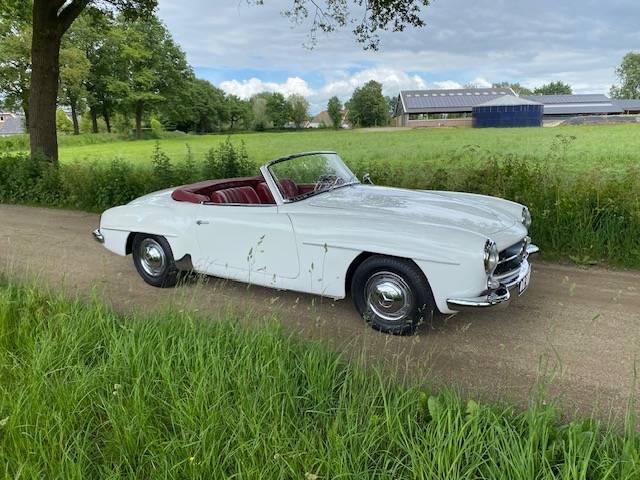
358 260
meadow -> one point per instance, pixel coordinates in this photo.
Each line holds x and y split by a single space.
85 393
607 148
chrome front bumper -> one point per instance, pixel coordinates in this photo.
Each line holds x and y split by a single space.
498 296
97 235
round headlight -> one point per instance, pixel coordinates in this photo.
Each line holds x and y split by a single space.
491 256
526 217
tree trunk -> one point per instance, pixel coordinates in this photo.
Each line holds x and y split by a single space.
74 118
107 118
139 111
25 109
94 119
45 69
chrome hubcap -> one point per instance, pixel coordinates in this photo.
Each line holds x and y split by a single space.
389 296
152 257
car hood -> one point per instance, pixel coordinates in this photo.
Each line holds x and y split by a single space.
436 208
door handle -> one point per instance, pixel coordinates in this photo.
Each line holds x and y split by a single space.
202 222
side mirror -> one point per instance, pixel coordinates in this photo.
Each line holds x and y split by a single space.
366 178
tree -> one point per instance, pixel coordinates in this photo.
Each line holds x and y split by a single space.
50 20
554 88
368 107
392 103
516 87
259 111
278 111
15 65
334 109
102 42
74 70
298 110
199 107
239 111
629 74
155 66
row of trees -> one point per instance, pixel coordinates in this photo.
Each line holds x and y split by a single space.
113 67
50 20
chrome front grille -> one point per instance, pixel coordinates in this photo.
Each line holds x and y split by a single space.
510 260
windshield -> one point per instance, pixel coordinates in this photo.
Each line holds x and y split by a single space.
307 175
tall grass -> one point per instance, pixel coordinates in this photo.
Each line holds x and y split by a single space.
87 394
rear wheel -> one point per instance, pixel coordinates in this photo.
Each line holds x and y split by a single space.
154 261
392 294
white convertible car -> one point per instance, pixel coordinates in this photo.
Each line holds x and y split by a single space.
307 224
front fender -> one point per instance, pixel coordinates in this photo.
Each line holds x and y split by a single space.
118 223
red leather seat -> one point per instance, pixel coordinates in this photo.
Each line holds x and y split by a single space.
264 194
235 195
288 188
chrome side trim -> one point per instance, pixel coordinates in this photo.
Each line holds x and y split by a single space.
97 236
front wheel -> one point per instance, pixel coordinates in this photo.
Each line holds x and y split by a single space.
154 261
392 294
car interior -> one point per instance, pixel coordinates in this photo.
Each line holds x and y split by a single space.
246 190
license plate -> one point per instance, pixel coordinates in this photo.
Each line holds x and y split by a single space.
524 284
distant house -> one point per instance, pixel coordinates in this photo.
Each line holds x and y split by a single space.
323 120
11 124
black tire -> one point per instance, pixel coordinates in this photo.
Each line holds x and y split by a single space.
396 275
166 274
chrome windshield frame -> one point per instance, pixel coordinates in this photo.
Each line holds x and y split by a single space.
273 187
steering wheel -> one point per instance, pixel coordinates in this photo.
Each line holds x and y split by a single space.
326 180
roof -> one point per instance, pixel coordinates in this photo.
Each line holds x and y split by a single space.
560 99
13 124
581 109
576 104
458 100
507 100
627 104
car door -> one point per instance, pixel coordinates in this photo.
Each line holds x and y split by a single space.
249 243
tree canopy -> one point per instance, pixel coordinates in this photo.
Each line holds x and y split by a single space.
334 110
629 74
554 88
368 107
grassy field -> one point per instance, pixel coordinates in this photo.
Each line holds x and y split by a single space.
86 394
601 147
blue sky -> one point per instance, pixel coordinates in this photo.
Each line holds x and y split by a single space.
244 48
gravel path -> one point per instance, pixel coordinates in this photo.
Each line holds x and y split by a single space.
580 327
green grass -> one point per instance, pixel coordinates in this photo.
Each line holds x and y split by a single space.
87 394
603 147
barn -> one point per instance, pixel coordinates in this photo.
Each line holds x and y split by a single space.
442 108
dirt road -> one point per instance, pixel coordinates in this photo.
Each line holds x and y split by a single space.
582 326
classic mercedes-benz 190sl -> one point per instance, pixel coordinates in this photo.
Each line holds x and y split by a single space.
307 224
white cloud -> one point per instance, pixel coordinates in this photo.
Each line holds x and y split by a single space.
392 80
447 85
247 88
481 82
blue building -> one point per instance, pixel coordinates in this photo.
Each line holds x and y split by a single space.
508 111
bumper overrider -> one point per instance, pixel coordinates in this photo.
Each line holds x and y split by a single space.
97 235
501 295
